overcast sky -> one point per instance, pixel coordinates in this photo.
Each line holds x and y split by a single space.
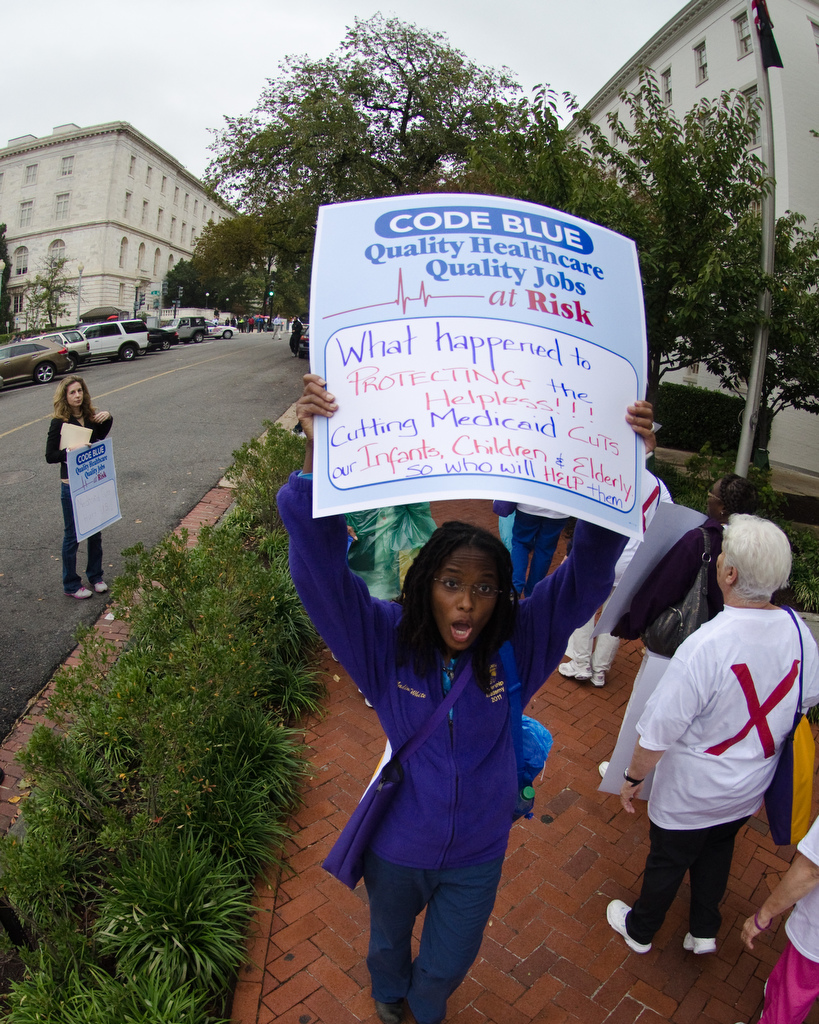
175 68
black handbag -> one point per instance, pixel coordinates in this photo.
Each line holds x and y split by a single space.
679 621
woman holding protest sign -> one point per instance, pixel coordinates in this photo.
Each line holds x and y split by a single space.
441 842
73 408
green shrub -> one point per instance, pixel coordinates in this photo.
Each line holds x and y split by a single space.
173 912
260 467
171 776
693 417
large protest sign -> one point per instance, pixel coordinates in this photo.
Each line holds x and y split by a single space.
92 480
477 347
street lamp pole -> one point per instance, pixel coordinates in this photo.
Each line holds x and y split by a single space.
81 268
2 271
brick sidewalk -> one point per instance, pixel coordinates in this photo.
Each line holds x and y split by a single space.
548 955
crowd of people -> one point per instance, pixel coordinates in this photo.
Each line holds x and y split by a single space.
709 736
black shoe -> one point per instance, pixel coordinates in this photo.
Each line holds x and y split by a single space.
390 1013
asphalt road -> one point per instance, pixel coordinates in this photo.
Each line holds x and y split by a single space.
178 416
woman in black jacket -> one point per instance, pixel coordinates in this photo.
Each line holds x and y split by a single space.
72 404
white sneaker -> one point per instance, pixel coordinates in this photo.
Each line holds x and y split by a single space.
616 914
101 586
598 678
699 946
571 670
603 767
80 594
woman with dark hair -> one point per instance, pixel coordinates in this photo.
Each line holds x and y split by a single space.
673 576
72 404
441 844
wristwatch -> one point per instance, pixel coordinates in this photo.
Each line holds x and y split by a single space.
630 781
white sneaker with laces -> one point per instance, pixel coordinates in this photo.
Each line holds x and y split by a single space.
80 595
571 670
699 946
101 586
616 914
598 678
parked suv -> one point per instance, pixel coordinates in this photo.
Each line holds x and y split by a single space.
189 328
114 339
37 359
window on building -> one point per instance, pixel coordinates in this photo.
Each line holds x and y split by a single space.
196 207
18 300
170 263
31 175
176 194
57 249
204 213
21 260
751 99
141 256
815 28
665 86
26 213
157 255
193 238
148 175
132 166
1 181
164 184
144 211
66 166
742 28
183 232
160 213
173 228
123 253
126 209
63 203
700 64
187 200
121 302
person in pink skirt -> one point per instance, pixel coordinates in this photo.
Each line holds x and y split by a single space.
793 985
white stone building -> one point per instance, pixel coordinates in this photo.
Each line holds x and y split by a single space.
107 198
706 48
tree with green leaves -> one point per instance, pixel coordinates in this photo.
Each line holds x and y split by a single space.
245 255
5 298
684 185
395 110
45 296
791 376
185 275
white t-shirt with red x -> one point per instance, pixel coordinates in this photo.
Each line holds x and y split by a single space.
720 714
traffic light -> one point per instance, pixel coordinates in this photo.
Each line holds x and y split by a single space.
164 288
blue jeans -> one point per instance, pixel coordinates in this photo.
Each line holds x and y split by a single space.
71 580
539 535
458 901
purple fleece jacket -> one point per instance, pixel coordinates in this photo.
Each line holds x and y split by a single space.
454 806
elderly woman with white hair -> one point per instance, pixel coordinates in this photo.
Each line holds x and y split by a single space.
713 729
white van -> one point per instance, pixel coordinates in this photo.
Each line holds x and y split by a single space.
114 339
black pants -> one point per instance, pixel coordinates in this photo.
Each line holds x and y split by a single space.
706 853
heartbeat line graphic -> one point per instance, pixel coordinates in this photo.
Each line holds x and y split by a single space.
402 299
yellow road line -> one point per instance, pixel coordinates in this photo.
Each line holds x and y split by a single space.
124 387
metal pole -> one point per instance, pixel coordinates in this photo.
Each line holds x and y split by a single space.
750 416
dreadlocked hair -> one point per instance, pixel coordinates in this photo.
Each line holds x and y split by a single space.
738 495
419 638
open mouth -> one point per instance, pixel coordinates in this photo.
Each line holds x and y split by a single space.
461 632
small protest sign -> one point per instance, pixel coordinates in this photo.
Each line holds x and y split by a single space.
477 347
92 480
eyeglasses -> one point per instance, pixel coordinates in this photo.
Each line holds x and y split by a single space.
482 590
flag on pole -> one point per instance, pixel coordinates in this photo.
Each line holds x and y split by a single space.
764 30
